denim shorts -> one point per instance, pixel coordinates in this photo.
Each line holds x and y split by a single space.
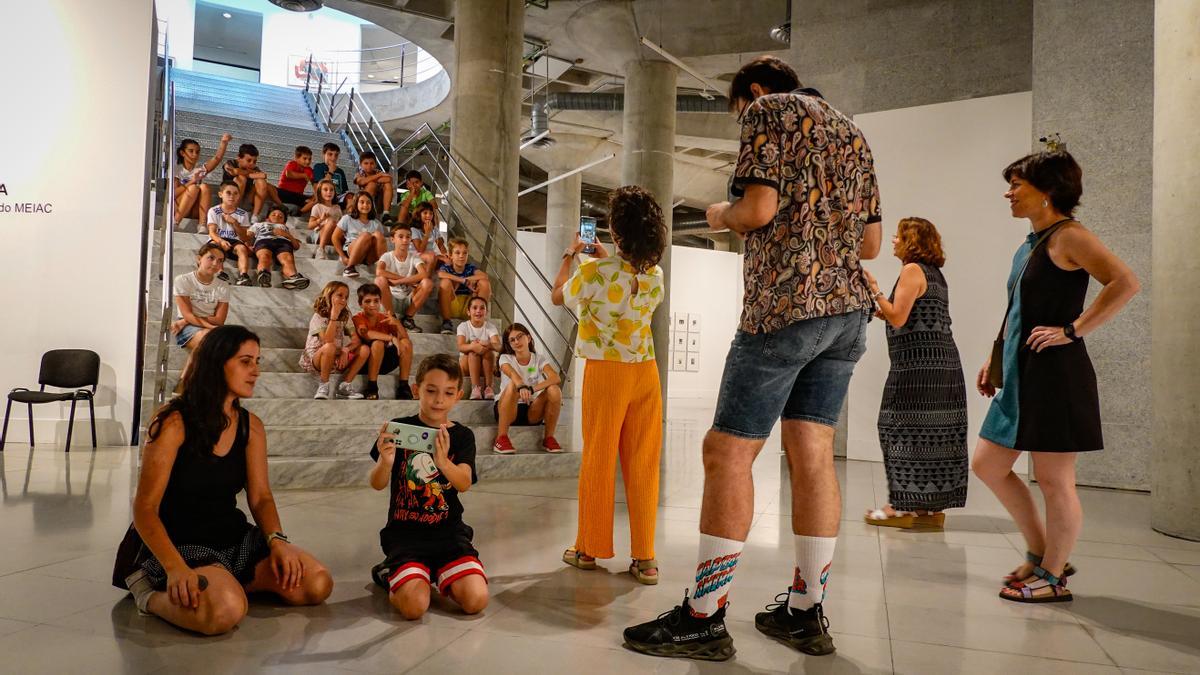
800 372
186 334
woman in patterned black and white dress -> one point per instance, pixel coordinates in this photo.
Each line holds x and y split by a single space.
923 415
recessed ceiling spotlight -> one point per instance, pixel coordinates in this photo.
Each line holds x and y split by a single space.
227 15
371 75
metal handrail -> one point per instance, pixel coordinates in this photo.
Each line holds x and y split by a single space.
407 50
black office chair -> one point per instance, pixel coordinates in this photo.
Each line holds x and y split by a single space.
64 369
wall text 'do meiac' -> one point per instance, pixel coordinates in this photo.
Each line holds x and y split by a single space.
23 207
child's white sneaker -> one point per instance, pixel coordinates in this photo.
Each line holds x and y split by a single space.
476 393
322 392
346 390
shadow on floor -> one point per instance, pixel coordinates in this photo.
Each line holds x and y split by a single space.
1143 620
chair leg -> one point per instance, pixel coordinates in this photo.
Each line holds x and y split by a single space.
30 427
4 433
92 415
70 425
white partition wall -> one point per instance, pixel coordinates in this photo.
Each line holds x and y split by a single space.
942 162
73 167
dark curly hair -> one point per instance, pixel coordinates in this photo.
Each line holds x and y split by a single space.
1055 173
637 226
920 242
201 401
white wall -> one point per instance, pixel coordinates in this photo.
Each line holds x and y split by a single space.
180 15
71 278
943 162
708 283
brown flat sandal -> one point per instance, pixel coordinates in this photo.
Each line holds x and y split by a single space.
576 559
638 569
880 518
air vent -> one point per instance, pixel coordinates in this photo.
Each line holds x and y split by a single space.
299 5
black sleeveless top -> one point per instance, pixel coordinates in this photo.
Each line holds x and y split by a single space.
199 506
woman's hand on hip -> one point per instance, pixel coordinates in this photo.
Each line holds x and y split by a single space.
1042 337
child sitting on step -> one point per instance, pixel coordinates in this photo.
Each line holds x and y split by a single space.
296 176
529 391
403 271
375 182
332 346
192 195
251 180
329 169
458 282
227 228
478 342
359 236
386 341
427 239
202 300
273 240
324 217
425 540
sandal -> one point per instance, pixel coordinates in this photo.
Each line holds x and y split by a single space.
576 559
1023 591
638 569
1035 559
935 520
880 517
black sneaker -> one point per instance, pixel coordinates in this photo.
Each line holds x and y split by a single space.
380 574
296 283
244 280
679 634
447 327
223 276
410 325
403 391
264 278
351 271
807 631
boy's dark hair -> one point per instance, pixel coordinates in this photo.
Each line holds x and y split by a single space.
365 156
443 362
331 146
637 226
279 208
766 71
413 173
210 246
226 184
302 150
368 289
247 149
399 228
1055 173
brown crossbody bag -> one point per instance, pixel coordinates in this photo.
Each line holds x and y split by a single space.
996 364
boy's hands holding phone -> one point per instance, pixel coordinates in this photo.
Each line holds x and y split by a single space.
386 444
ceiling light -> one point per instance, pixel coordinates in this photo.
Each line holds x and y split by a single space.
227 15
299 5
371 75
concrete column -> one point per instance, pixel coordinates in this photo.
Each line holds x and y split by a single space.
1175 469
1105 115
648 160
485 128
562 222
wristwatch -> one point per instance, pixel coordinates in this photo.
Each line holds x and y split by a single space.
1069 331
277 535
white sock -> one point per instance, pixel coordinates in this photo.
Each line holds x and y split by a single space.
714 573
814 555
140 587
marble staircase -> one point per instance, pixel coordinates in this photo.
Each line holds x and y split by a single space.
313 443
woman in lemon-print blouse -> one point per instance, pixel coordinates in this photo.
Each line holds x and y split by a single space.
614 299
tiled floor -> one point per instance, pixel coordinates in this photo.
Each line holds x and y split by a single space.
900 601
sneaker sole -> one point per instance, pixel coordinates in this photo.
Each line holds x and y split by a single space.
716 650
498 451
817 645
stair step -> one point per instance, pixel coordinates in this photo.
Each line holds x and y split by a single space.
355 441
306 472
287 360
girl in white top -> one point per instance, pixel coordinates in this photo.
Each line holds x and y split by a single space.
478 342
324 217
529 391
202 300
192 196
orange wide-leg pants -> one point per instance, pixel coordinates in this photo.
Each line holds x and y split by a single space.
622 417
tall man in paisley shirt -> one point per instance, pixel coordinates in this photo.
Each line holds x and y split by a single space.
807 204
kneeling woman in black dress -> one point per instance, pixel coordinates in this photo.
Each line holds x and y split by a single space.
191 556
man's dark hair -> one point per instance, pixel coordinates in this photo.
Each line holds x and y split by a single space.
413 174
769 72
1055 173
330 146
366 290
247 149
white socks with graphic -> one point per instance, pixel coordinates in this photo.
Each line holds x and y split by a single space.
814 555
714 574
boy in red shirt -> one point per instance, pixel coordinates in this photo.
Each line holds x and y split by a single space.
388 341
296 176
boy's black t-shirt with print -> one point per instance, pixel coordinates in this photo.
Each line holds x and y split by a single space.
423 504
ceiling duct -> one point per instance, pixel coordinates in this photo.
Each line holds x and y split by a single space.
299 5
616 103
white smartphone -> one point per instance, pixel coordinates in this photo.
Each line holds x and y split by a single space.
587 234
412 437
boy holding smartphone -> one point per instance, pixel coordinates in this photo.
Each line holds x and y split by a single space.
425 539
